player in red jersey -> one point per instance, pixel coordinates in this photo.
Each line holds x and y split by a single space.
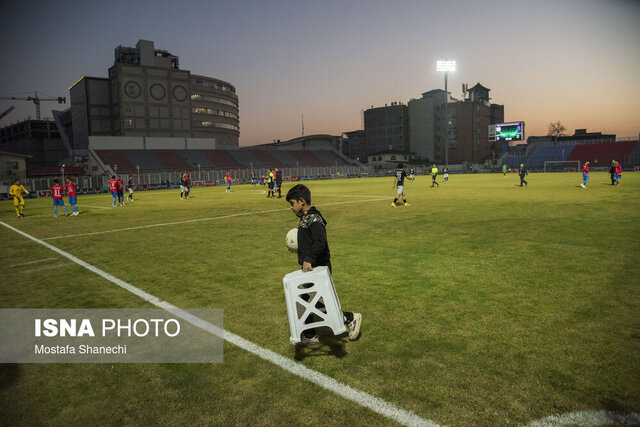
618 174
56 192
120 191
227 180
73 196
113 189
585 174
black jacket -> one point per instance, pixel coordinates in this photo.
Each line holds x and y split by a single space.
312 239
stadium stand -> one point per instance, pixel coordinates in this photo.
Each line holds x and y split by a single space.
307 158
329 157
603 154
266 158
171 160
544 153
117 157
246 158
179 160
285 159
195 157
143 158
221 159
635 155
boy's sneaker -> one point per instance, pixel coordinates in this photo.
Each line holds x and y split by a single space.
354 326
310 341
582 185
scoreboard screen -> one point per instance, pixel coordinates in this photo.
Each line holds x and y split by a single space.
509 131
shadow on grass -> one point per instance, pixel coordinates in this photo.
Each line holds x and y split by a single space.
329 346
9 374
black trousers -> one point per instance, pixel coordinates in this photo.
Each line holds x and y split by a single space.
522 181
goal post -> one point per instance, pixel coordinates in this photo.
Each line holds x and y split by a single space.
562 166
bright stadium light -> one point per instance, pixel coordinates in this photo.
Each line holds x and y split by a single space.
446 66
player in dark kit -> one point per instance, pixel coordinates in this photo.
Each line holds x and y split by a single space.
523 173
130 188
399 184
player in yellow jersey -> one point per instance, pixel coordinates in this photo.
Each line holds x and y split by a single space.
16 191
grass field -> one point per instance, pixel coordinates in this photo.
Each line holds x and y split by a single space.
483 303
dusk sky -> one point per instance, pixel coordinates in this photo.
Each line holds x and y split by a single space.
576 61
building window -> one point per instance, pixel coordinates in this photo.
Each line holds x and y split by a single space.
205 98
128 123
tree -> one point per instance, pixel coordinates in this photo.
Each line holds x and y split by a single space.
556 129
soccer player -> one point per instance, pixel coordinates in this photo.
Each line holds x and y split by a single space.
612 172
277 176
73 196
183 178
618 175
227 179
398 182
313 251
270 184
120 190
523 173
504 169
187 185
113 189
412 174
445 173
585 174
16 191
434 174
56 193
130 188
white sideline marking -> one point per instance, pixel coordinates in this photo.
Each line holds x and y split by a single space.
588 418
31 262
95 207
369 401
199 220
46 267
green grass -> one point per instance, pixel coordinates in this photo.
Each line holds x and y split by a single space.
483 303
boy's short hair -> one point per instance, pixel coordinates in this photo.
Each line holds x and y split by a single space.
298 192
55 181
400 166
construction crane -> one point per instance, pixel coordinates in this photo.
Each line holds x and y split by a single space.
7 111
36 100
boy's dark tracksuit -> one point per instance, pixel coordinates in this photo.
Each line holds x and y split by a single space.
314 249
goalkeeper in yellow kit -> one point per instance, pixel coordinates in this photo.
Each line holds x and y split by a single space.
18 202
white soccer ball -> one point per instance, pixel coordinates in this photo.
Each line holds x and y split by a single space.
292 240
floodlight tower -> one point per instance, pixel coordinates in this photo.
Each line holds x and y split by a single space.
446 66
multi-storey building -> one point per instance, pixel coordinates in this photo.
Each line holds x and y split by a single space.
386 128
467 126
147 95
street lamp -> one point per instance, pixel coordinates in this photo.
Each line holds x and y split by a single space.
446 66
62 170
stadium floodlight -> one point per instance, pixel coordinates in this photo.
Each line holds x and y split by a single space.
446 66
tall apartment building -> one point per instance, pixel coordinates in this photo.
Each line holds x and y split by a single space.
467 126
426 125
146 94
386 128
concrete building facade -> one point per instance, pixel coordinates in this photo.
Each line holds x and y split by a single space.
146 94
386 128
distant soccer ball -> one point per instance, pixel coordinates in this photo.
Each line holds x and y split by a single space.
292 240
